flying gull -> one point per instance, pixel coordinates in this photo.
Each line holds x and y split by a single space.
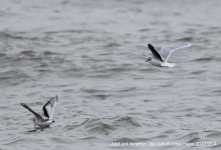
45 119
160 59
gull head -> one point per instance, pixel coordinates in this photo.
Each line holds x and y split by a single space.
149 59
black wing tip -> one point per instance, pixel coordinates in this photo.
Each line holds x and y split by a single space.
23 104
150 46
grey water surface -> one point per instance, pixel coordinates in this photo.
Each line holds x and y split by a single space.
92 53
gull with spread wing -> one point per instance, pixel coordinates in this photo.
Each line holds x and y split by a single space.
45 119
160 59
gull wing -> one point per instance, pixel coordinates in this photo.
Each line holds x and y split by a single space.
167 50
155 53
48 108
36 114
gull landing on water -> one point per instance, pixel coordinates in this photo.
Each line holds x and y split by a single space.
45 119
160 59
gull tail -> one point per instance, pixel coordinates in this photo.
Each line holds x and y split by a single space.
166 64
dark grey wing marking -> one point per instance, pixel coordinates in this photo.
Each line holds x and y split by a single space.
155 53
36 114
45 112
48 108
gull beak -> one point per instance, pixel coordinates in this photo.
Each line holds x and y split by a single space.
147 60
